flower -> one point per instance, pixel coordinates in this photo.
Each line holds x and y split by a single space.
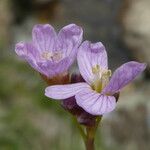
96 95
49 53
71 106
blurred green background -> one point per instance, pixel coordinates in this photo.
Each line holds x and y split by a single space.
28 119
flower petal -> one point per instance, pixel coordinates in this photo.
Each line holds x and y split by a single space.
89 56
124 75
44 37
95 103
69 38
28 52
64 91
54 68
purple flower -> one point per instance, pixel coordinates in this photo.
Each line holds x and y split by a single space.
49 53
96 96
71 106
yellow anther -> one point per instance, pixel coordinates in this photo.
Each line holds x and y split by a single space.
95 69
106 73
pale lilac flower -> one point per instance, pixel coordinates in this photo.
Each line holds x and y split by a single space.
49 53
71 106
96 95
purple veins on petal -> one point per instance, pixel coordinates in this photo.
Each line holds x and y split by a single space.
64 91
91 55
124 75
28 52
44 37
95 103
48 49
69 39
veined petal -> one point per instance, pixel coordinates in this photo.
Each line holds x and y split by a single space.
44 37
26 49
52 68
90 55
95 103
124 75
28 52
64 91
69 38
46 69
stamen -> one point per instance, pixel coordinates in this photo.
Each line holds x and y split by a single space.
107 73
95 69
47 55
101 77
105 78
55 56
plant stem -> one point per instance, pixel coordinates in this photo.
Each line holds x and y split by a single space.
89 136
89 143
91 131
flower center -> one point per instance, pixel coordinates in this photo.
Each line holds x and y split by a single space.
54 56
101 77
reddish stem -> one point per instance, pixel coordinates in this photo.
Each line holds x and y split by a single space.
91 131
90 144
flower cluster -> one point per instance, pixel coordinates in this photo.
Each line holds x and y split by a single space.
92 92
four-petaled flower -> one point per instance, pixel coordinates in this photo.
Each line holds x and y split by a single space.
49 53
96 95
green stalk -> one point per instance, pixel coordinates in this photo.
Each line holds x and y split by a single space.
90 137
